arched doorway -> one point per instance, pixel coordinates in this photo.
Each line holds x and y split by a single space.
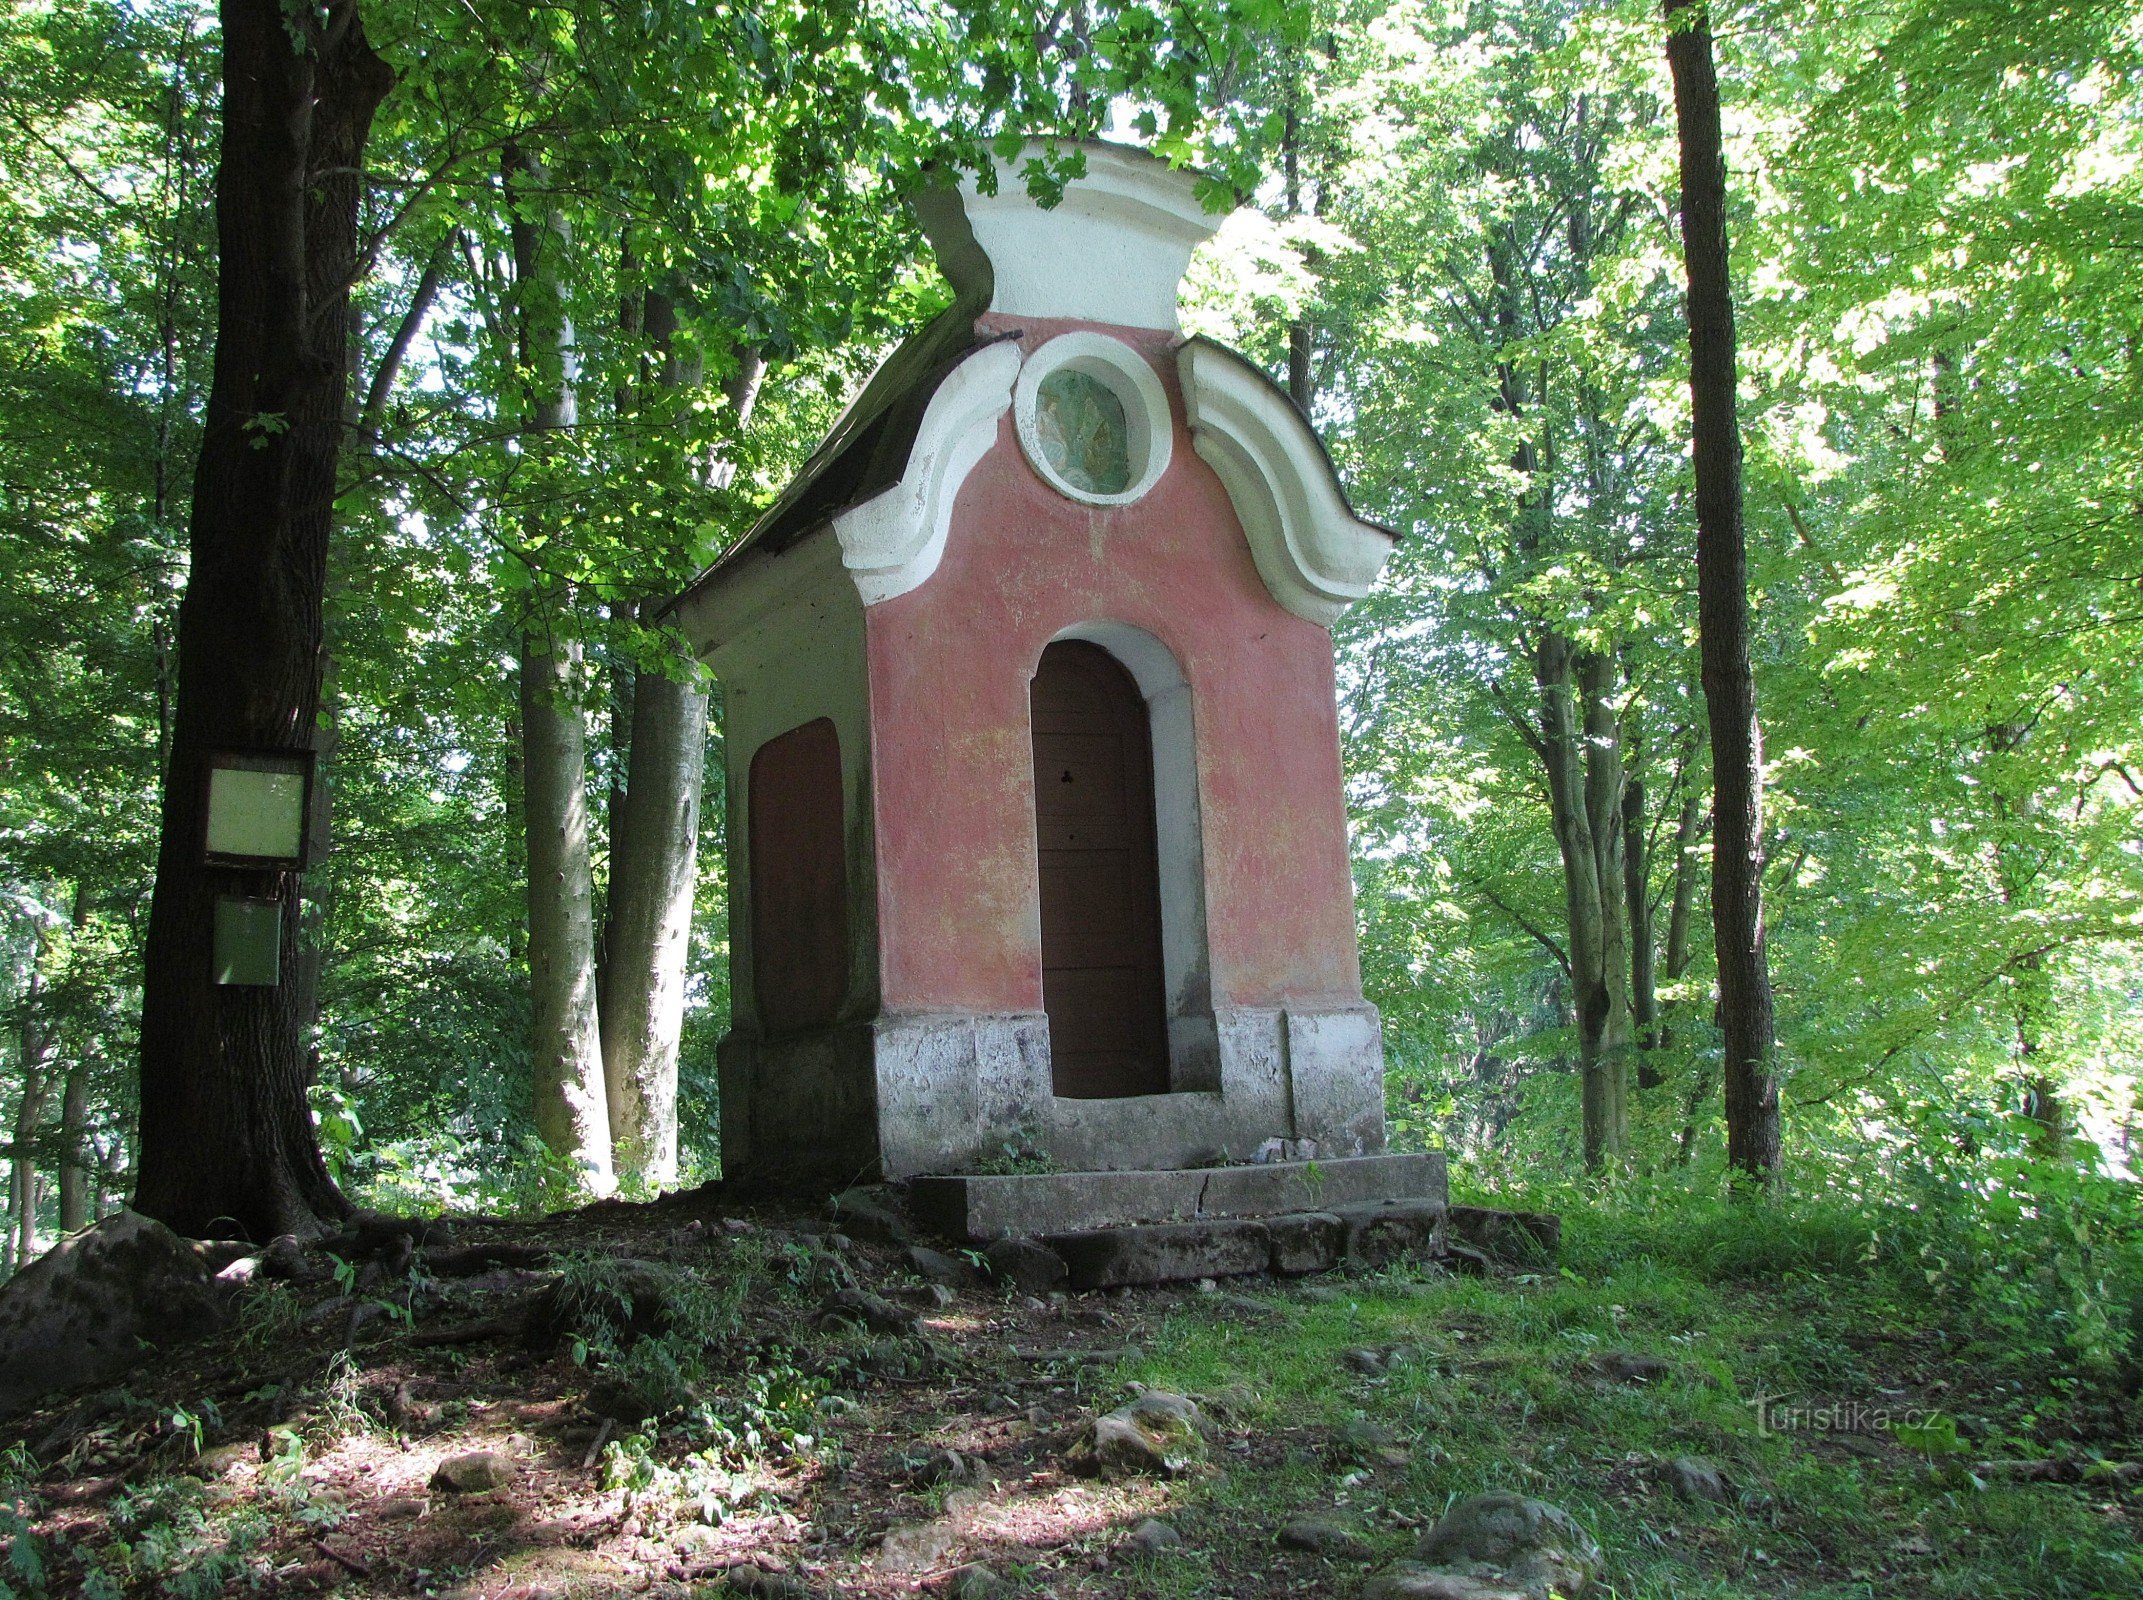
1102 979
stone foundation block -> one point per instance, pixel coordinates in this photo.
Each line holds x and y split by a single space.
1403 1230
1111 1258
1306 1241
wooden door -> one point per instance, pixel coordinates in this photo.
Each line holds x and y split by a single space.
1101 890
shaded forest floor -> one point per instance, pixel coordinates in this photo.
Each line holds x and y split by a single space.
817 1394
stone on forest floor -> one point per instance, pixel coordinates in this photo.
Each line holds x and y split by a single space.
915 1547
976 1582
1158 1434
1025 1265
1410 1580
1629 1366
473 1472
1323 1537
865 1215
1697 1478
936 1466
1152 1537
1364 1440
757 1582
1505 1545
861 1306
935 1266
82 1311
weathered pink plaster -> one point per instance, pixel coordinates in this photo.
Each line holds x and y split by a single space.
952 774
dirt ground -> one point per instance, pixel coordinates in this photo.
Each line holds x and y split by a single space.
300 1453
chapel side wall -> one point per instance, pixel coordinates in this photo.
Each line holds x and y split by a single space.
949 667
793 650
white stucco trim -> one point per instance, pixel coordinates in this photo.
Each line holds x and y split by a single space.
1179 841
1114 249
1315 555
893 541
1149 426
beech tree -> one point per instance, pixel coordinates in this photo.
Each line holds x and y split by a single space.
1737 855
227 1141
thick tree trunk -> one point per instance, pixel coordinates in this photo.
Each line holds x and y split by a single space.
654 862
1752 1108
572 1113
227 1141
1584 802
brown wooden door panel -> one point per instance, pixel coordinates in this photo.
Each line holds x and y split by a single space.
1102 983
799 879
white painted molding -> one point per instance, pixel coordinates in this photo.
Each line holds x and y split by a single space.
1113 250
1149 425
893 541
1315 555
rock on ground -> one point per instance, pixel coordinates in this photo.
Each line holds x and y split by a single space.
935 1266
1158 1434
976 1582
1697 1478
81 1312
1323 1537
1410 1580
1151 1538
1504 1546
1026 1265
474 1472
915 1547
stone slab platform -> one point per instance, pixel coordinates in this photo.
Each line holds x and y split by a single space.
1367 1235
978 1208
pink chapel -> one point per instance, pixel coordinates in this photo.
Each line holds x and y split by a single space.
1037 832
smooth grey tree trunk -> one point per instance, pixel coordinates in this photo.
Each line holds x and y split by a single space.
572 1111
75 1159
654 862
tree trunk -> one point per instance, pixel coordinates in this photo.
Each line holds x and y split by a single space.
572 1116
1637 896
22 1165
654 862
1737 859
227 1140
571 1111
75 1209
1584 802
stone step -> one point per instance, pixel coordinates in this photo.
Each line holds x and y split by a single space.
978 1208
1367 1235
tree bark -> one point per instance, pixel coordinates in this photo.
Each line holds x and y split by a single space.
572 1113
654 861
75 1211
1584 775
1637 898
227 1142
1751 1082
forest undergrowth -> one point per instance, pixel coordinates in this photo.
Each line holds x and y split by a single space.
700 1393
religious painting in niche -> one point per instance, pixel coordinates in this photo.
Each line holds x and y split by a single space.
799 880
1084 435
1102 982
